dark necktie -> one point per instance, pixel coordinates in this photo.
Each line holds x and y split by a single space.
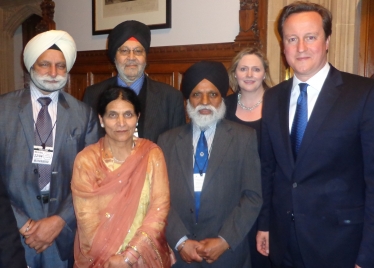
300 120
201 163
44 138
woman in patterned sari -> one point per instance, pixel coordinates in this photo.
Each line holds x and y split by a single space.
121 192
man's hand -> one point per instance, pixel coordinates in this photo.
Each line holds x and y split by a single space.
189 251
262 242
43 232
27 226
212 248
356 266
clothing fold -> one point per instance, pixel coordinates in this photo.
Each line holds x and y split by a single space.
109 204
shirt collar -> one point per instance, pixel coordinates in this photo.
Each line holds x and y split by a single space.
316 81
36 94
136 86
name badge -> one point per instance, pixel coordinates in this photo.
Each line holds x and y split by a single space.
42 156
198 181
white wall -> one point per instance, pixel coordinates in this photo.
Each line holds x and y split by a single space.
193 22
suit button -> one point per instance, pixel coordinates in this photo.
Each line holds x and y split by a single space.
294 185
38 197
36 171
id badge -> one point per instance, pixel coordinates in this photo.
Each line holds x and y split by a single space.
42 156
198 181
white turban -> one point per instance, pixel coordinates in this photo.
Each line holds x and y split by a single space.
40 43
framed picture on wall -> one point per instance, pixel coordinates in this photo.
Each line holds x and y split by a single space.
106 14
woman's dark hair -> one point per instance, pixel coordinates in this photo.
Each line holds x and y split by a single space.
301 6
115 92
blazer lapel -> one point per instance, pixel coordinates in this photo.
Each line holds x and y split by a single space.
284 104
184 153
221 143
27 120
325 101
152 104
62 125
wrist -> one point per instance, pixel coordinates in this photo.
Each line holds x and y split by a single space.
181 246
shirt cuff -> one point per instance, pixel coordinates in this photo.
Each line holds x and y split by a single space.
184 238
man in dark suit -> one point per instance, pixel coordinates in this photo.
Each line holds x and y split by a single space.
12 253
317 154
42 130
162 105
214 175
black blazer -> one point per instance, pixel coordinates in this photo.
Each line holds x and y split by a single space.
231 194
330 187
163 108
12 253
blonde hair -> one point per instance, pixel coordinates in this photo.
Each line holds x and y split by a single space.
266 83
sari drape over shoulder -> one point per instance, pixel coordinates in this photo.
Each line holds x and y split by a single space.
107 205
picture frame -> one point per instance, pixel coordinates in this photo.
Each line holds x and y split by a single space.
106 14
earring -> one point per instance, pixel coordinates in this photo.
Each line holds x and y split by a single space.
102 125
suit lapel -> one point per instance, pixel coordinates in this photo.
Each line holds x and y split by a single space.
27 120
184 153
151 105
325 101
284 104
61 125
221 142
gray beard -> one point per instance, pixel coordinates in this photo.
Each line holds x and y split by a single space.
125 78
203 121
38 81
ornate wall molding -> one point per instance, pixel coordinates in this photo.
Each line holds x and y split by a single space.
14 16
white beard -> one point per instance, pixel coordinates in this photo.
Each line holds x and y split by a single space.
43 82
204 120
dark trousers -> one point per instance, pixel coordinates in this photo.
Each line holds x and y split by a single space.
292 258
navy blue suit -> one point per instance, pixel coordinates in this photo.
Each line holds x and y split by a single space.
330 187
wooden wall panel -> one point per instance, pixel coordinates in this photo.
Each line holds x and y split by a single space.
167 64
77 84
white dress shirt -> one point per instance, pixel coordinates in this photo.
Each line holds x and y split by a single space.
315 85
52 109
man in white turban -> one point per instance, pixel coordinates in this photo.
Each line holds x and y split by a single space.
42 130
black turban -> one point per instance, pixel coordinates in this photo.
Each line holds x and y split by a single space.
123 31
213 71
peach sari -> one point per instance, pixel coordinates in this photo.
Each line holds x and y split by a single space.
108 205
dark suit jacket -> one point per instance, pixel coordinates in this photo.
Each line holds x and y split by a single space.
76 127
163 108
12 253
231 195
330 187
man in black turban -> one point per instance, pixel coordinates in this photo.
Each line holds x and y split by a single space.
161 105
214 176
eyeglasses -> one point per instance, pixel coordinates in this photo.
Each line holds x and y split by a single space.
125 51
